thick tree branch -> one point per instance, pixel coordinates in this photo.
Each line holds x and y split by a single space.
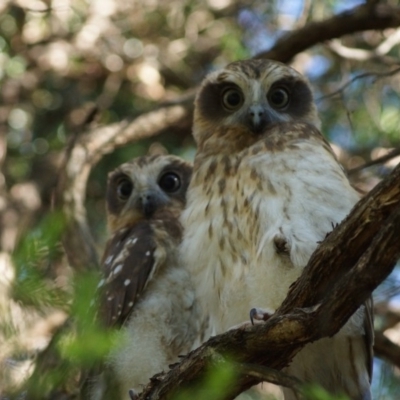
361 18
354 233
383 250
386 349
350 256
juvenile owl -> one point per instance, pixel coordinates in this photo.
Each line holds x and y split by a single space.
144 291
266 189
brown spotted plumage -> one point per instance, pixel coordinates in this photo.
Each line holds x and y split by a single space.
266 189
144 291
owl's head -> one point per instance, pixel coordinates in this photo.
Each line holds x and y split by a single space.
145 188
250 96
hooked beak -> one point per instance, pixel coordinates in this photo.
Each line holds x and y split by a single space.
257 119
148 204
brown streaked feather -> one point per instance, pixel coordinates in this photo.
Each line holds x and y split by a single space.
128 265
261 224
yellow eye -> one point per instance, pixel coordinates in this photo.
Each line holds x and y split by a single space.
232 99
278 97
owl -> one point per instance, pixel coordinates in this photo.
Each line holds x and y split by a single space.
144 292
266 189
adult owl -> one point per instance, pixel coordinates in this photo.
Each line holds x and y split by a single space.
144 291
266 189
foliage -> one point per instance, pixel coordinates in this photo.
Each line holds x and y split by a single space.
314 392
33 257
213 385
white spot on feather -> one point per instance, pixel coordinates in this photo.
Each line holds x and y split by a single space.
127 282
109 259
117 269
132 241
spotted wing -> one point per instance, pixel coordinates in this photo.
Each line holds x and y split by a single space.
129 262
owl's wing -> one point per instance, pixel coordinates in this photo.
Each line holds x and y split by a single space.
129 263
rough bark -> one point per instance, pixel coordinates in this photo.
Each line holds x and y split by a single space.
355 233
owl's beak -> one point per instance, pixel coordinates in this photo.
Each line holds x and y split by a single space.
257 118
148 203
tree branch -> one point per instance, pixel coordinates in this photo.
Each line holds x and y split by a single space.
271 375
386 349
349 256
361 18
376 75
355 233
377 54
380 160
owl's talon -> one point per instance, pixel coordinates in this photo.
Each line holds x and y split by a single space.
260 314
133 395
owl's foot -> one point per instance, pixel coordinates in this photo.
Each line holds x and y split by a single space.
259 315
334 225
133 395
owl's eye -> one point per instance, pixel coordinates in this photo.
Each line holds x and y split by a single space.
124 188
232 99
169 182
278 98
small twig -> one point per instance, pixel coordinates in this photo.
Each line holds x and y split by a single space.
76 133
376 75
302 19
380 160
